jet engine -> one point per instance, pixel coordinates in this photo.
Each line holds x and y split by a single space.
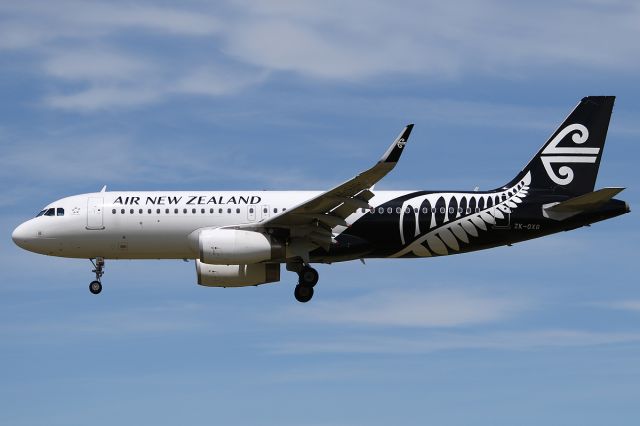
237 275
238 247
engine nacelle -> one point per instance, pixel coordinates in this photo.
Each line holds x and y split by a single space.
237 247
237 275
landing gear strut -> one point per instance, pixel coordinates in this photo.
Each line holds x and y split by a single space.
98 268
307 279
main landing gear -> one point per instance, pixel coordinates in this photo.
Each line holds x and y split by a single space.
307 279
98 268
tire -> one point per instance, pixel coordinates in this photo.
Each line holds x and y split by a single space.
95 287
309 276
303 293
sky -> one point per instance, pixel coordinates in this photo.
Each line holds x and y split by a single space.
233 94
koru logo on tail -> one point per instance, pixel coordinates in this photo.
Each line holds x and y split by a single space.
553 154
401 143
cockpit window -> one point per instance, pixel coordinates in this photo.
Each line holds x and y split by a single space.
51 212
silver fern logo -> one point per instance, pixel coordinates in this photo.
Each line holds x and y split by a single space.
473 213
552 154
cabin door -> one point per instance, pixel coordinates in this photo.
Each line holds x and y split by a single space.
95 213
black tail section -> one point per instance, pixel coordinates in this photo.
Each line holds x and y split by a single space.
568 162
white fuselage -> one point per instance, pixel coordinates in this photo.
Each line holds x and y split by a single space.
152 225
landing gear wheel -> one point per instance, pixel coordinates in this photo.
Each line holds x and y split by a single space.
98 268
303 293
308 276
95 287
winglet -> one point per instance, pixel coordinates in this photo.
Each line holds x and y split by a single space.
395 150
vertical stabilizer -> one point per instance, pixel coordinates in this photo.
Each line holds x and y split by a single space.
569 161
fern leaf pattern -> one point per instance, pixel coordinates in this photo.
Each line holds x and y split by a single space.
445 221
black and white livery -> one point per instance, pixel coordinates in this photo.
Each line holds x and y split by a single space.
241 238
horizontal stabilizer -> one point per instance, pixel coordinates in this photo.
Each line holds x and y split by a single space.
581 203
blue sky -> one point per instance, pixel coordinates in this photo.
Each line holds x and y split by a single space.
303 95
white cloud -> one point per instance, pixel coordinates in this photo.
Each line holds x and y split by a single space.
625 305
95 64
522 340
411 308
239 43
101 98
174 317
45 21
217 80
355 40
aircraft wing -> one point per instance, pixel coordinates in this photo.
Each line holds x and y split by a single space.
313 219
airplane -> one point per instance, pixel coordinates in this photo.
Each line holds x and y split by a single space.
241 238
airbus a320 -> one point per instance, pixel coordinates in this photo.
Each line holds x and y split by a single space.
241 238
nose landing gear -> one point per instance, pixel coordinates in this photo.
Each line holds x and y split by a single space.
98 268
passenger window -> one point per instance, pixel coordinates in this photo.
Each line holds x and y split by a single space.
211 211
122 211
60 212
175 211
251 210
275 210
184 211
425 210
264 210
228 210
149 211
140 211
237 210
113 211
202 211
193 211
389 210
166 211
158 211
131 211
220 211
381 210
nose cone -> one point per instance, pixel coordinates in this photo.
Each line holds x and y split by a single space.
21 236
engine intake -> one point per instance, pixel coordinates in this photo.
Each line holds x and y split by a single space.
237 275
238 247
